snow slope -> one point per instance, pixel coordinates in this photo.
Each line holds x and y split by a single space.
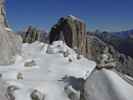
107 85
43 71
47 73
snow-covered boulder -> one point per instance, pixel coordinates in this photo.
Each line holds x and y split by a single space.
10 92
30 63
37 95
57 47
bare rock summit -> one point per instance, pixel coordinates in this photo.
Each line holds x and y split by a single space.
72 31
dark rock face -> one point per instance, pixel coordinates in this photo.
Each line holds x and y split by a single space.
33 34
10 43
72 31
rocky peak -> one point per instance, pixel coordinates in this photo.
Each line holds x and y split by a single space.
73 31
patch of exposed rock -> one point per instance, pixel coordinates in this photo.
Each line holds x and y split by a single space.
37 95
10 92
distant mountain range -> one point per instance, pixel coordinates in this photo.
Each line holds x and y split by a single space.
122 41
124 34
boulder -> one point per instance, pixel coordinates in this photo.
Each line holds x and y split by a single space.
10 92
30 63
71 30
37 95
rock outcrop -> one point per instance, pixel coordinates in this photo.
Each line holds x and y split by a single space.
72 31
10 43
106 56
33 34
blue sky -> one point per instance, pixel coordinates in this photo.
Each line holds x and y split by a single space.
109 15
